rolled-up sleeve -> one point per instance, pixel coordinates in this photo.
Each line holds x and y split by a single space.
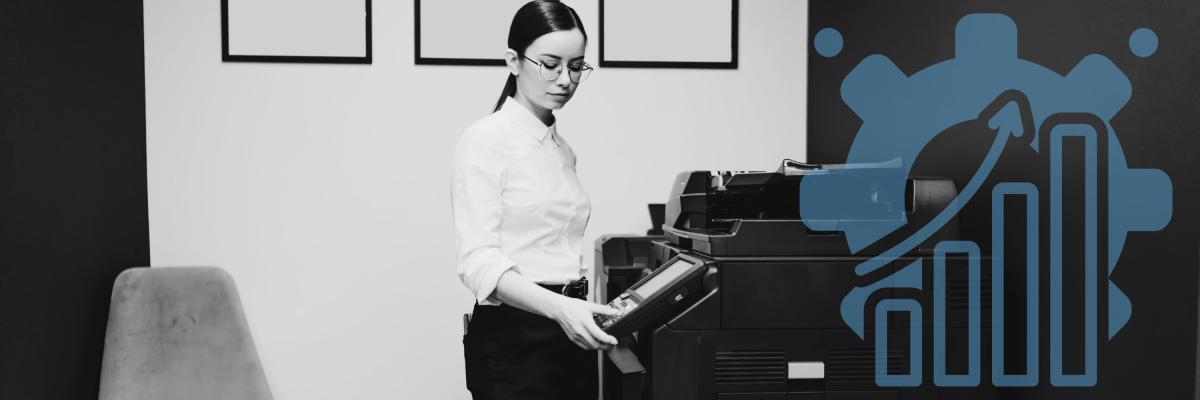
475 199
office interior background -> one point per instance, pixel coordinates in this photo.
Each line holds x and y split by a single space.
323 188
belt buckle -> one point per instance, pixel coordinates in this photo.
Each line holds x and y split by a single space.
577 289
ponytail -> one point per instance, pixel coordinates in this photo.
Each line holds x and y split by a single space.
510 89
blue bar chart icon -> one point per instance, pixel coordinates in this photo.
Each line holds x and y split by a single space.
1030 193
1090 253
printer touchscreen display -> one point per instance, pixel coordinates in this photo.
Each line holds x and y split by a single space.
671 273
647 300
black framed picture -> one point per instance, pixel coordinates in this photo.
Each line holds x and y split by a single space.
462 32
702 34
298 31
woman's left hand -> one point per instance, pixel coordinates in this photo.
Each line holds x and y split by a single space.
575 318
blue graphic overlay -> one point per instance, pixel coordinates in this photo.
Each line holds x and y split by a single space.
882 376
1143 42
1023 111
1057 376
940 293
828 42
1030 193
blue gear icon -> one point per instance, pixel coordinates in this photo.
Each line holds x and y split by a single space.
902 114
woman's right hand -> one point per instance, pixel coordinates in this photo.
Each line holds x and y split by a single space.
575 318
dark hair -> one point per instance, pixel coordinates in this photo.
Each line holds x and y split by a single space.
534 19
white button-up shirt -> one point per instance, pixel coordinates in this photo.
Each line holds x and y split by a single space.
517 203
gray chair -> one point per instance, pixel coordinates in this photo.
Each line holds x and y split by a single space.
179 334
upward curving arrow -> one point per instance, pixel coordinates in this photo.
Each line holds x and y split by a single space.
1008 114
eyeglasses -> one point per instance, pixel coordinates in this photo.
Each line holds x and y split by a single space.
577 72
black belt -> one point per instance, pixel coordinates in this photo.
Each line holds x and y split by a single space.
577 289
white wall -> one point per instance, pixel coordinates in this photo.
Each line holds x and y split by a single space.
323 189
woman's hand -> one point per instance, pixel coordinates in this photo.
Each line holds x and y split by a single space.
575 318
573 315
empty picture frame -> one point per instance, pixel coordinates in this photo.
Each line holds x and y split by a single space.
302 31
462 32
669 33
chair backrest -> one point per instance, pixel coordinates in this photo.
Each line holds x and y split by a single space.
179 334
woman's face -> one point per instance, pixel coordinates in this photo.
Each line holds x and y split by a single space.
554 50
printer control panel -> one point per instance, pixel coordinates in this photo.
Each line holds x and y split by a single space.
649 298
624 304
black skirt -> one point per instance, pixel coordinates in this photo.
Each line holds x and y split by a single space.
514 354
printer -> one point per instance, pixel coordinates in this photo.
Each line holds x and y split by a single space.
740 297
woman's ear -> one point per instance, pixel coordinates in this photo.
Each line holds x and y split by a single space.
513 61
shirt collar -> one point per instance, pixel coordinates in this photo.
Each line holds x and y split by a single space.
527 121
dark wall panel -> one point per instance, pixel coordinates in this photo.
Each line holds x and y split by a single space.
1154 354
72 186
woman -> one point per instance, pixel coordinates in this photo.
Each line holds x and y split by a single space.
519 217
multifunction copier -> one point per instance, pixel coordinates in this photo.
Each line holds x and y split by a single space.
741 298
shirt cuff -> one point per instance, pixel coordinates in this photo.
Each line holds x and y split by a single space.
488 279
